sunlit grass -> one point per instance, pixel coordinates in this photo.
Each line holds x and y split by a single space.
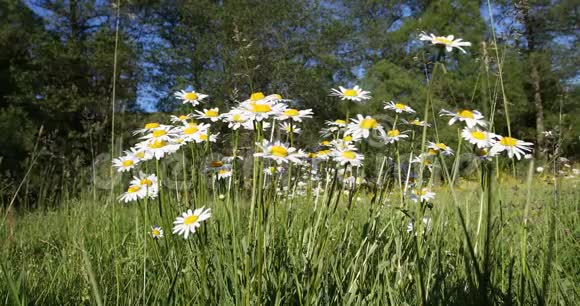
311 257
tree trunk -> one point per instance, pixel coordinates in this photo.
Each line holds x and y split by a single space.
530 24
538 104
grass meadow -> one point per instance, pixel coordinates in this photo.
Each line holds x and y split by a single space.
100 252
380 212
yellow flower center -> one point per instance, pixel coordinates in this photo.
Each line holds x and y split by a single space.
368 123
223 171
182 117
279 151
350 93
127 163
442 40
478 135
508 141
211 113
216 163
400 106
190 220
311 155
133 189
323 152
415 122
261 108
147 182
441 146
465 114
347 138
151 125
237 118
203 137
291 112
432 152
393 133
191 96
190 130
325 143
156 232
257 96
157 144
277 96
159 133
423 192
339 121
140 154
349 155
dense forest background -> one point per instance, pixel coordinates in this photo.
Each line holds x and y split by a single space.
68 67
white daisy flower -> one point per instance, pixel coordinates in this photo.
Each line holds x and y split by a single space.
235 118
230 159
481 139
156 232
149 127
346 143
416 122
148 183
425 195
125 163
513 147
139 154
158 148
224 173
394 136
289 128
256 97
333 127
192 97
181 118
323 154
439 148
279 152
471 118
133 193
355 94
189 221
362 126
273 170
337 123
204 136
399 107
191 130
261 109
295 114
347 156
212 114
422 159
162 133
449 42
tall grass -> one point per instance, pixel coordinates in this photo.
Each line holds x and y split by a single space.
492 238
68 256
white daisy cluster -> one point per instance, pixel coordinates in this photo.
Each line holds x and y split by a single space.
289 170
487 143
